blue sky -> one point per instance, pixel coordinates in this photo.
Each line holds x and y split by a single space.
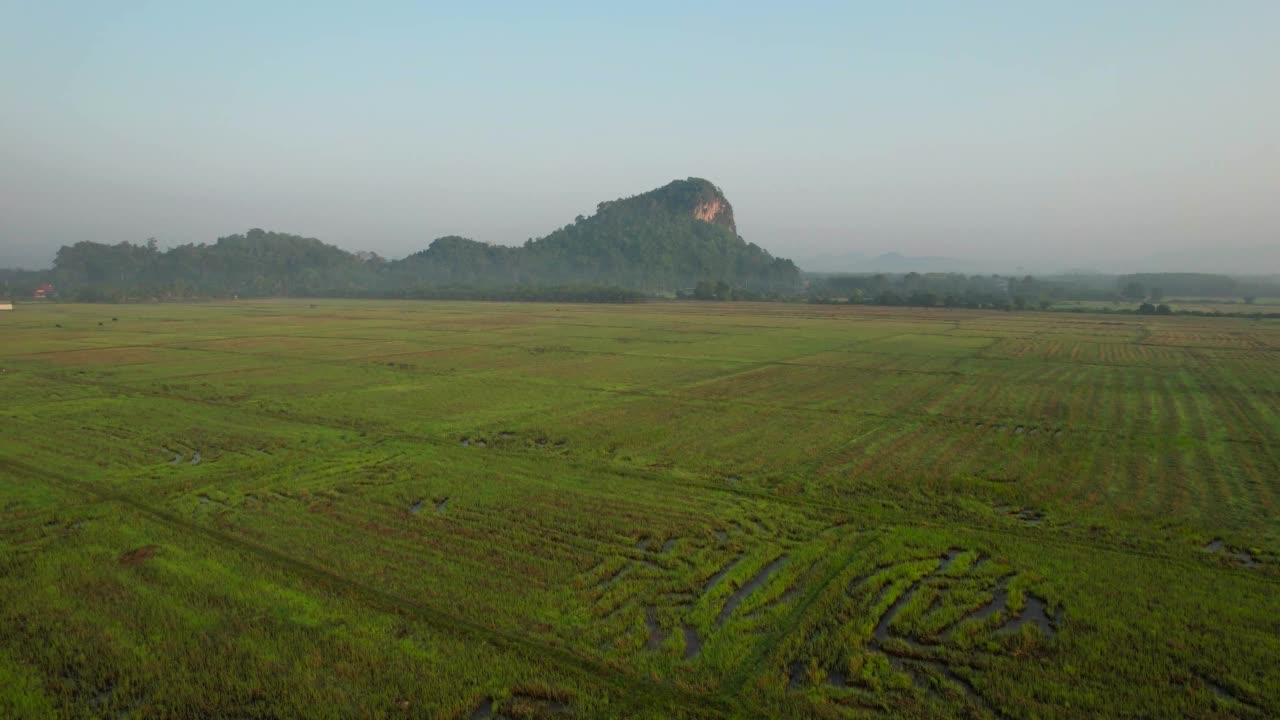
1029 133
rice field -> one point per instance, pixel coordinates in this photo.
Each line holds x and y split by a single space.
669 510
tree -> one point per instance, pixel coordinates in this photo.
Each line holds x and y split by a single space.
1134 290
1163 309
1249 299
1146 308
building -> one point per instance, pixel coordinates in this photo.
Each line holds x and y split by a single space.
6 305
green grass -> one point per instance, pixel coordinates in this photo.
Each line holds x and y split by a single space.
842 509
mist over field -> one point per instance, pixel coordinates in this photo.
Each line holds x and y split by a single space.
1120 138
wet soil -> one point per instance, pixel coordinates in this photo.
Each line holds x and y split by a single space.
715 579
1034 611
656 634
750 587
137 556
483 711
692 643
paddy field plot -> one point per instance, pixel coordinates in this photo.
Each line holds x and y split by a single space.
467 510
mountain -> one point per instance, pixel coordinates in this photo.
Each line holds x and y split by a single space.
666 239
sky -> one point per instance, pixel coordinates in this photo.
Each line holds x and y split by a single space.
1045 135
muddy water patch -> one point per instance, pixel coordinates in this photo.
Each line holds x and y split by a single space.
948 558
417 506
613 578
483 711
1030 516
195 459
1225 695
442 505
1033 611
656 634
668 546
796 674
692 643
999 603
750 587
715 579
137 556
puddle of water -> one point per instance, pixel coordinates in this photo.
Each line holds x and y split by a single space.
481 443
464 442
796 674
881 632
946 672
417 507
442 505
715 579
177 457
734 480
948 558
656 634
1033 612
692 643
547 705
999 603
721 535
668 545
195 459
642 544
484 710
750 587
838 678
917 679
1019 430
1214 545
1029 516
1245 558
614 577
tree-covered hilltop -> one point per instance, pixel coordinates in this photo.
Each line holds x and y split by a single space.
664 240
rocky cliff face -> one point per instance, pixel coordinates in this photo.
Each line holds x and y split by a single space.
716 210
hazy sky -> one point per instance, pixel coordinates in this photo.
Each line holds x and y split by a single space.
1044 133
